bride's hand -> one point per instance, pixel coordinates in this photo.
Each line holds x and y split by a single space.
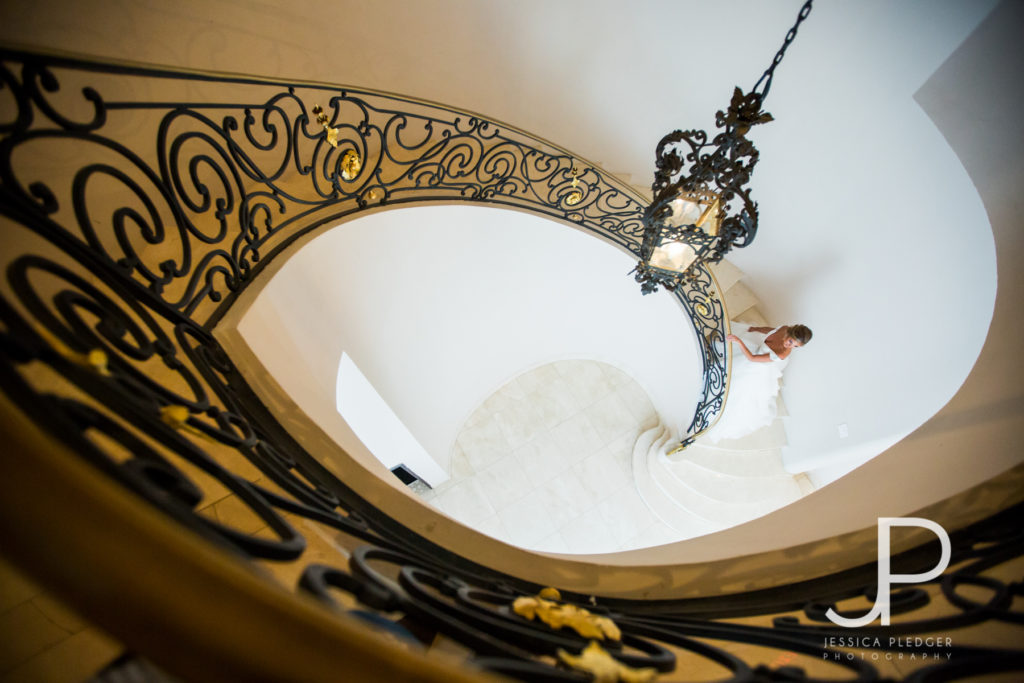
732 338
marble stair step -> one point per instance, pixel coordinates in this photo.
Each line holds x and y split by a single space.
711 486
646 441
726 274
723 513
766 438
687 524
744 463
739 299
685 500
753 316
805 483
729 488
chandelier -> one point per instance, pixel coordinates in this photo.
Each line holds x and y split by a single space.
701 206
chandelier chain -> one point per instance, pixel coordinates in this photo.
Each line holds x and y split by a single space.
766 77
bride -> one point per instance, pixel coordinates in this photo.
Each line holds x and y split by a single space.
754 379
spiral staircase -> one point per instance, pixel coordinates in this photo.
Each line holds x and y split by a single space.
292 557
708 486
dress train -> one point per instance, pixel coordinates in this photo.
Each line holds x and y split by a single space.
753 388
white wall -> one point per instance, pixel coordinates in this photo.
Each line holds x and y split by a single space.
377 426
872 233
439 306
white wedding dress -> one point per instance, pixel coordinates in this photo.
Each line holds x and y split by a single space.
753 388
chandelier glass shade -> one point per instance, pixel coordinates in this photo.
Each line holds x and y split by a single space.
701 205
676 251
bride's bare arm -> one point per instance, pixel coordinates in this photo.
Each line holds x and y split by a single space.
760 358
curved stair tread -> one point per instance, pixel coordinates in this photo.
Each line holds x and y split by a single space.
688 496
647 439
712 486
686 524
726 274
685 498
804 482
690 510
721 512
730 488
756 462
771 436
752 316
739 299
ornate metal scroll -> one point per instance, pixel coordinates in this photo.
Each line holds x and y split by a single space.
707 313
183 203
220 187
722 166
717 172
480 616
121 251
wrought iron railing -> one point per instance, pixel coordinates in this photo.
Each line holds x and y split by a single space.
138 203
225 182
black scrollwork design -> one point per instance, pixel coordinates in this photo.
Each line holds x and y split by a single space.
472 610
175 236
120 266
39 80
707 314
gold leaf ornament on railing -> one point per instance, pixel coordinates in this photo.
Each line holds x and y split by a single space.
560 615
576 196
321 118
596 661
94 359
351 164
176 416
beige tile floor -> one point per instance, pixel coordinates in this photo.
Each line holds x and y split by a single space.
545 463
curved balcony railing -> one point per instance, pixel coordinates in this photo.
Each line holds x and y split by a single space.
137 204
214 189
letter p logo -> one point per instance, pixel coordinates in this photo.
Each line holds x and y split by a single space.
881 606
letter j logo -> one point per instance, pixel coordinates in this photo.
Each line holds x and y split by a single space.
881 606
